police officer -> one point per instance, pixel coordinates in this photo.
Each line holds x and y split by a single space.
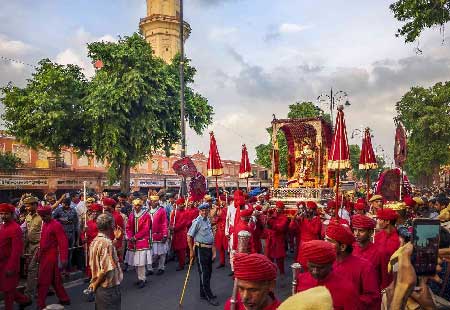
200 242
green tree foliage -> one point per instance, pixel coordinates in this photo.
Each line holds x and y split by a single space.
134 100
419 15
48 112
355 152
9 162
425 113
264 151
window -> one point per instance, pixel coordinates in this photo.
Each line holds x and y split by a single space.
165 165
83 161
22 152
155 165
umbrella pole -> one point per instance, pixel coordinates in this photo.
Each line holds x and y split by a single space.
368 184
248 188
337 193
217 189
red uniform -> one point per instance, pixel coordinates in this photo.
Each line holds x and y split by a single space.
179 237
277 250
87 237
343 293
221 241
11 246
305 230
118 222
373 255
257 234
53 248
240 226
273 305
387 244
361 273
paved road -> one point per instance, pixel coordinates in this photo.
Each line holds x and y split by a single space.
163 292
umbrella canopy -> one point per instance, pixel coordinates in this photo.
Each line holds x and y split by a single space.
214 163
339 155
245 169
367 159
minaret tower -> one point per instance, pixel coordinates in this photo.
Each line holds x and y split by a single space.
161 27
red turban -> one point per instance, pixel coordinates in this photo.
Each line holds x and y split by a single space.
6 207
363 222
387 214
246 212
340 233
360 200
258 208
180 201
95 207
223 198
253 199
409 201
360 206
109 202
311 205
239 201
253 267
44 210
237 193
191 199
280 205
318 252
331 204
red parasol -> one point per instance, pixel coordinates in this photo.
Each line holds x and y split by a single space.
245 169
367 159
339 155
214 164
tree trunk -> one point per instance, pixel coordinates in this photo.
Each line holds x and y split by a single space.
125 178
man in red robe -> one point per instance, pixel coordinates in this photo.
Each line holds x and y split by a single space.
243 223
220 240
363 228
259 228
178 227
109 206
278 223
319 256
360 207
387 241
53 249
255 277
90 231
306 225
11 247
357 270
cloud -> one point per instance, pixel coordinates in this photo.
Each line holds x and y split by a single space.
276 32
222 33
9 47
213 2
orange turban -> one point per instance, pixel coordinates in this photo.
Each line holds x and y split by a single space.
318 252
340 233
363 222
253 267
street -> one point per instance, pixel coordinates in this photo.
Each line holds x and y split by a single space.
163 292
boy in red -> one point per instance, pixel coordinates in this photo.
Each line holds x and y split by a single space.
178 226
278 223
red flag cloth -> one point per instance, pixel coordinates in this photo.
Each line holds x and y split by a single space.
214 164
367 159
245 169
339 155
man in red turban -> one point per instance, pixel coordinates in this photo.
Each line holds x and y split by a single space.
11 246
363 228
360 208
108 206
90 231
244 223
319 257
255 278
219 220
306 225
178 227
53 248
278 223
356 270
386 239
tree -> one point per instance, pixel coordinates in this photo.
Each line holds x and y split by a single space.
419 15
425 113
134 100
9 162
264 151
48 112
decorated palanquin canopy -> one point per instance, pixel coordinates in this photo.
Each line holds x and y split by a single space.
367 159
339 155
214 165
245 169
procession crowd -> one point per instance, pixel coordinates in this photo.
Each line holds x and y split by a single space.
356 258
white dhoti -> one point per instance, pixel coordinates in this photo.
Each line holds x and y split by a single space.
159 251
138 257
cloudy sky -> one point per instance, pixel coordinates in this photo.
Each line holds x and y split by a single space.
254 57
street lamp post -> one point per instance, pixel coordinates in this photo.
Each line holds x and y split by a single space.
332 99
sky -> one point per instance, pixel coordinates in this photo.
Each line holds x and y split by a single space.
253 57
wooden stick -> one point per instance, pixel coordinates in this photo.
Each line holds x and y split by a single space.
185 284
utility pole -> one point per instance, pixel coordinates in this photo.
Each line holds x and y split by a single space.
183 121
